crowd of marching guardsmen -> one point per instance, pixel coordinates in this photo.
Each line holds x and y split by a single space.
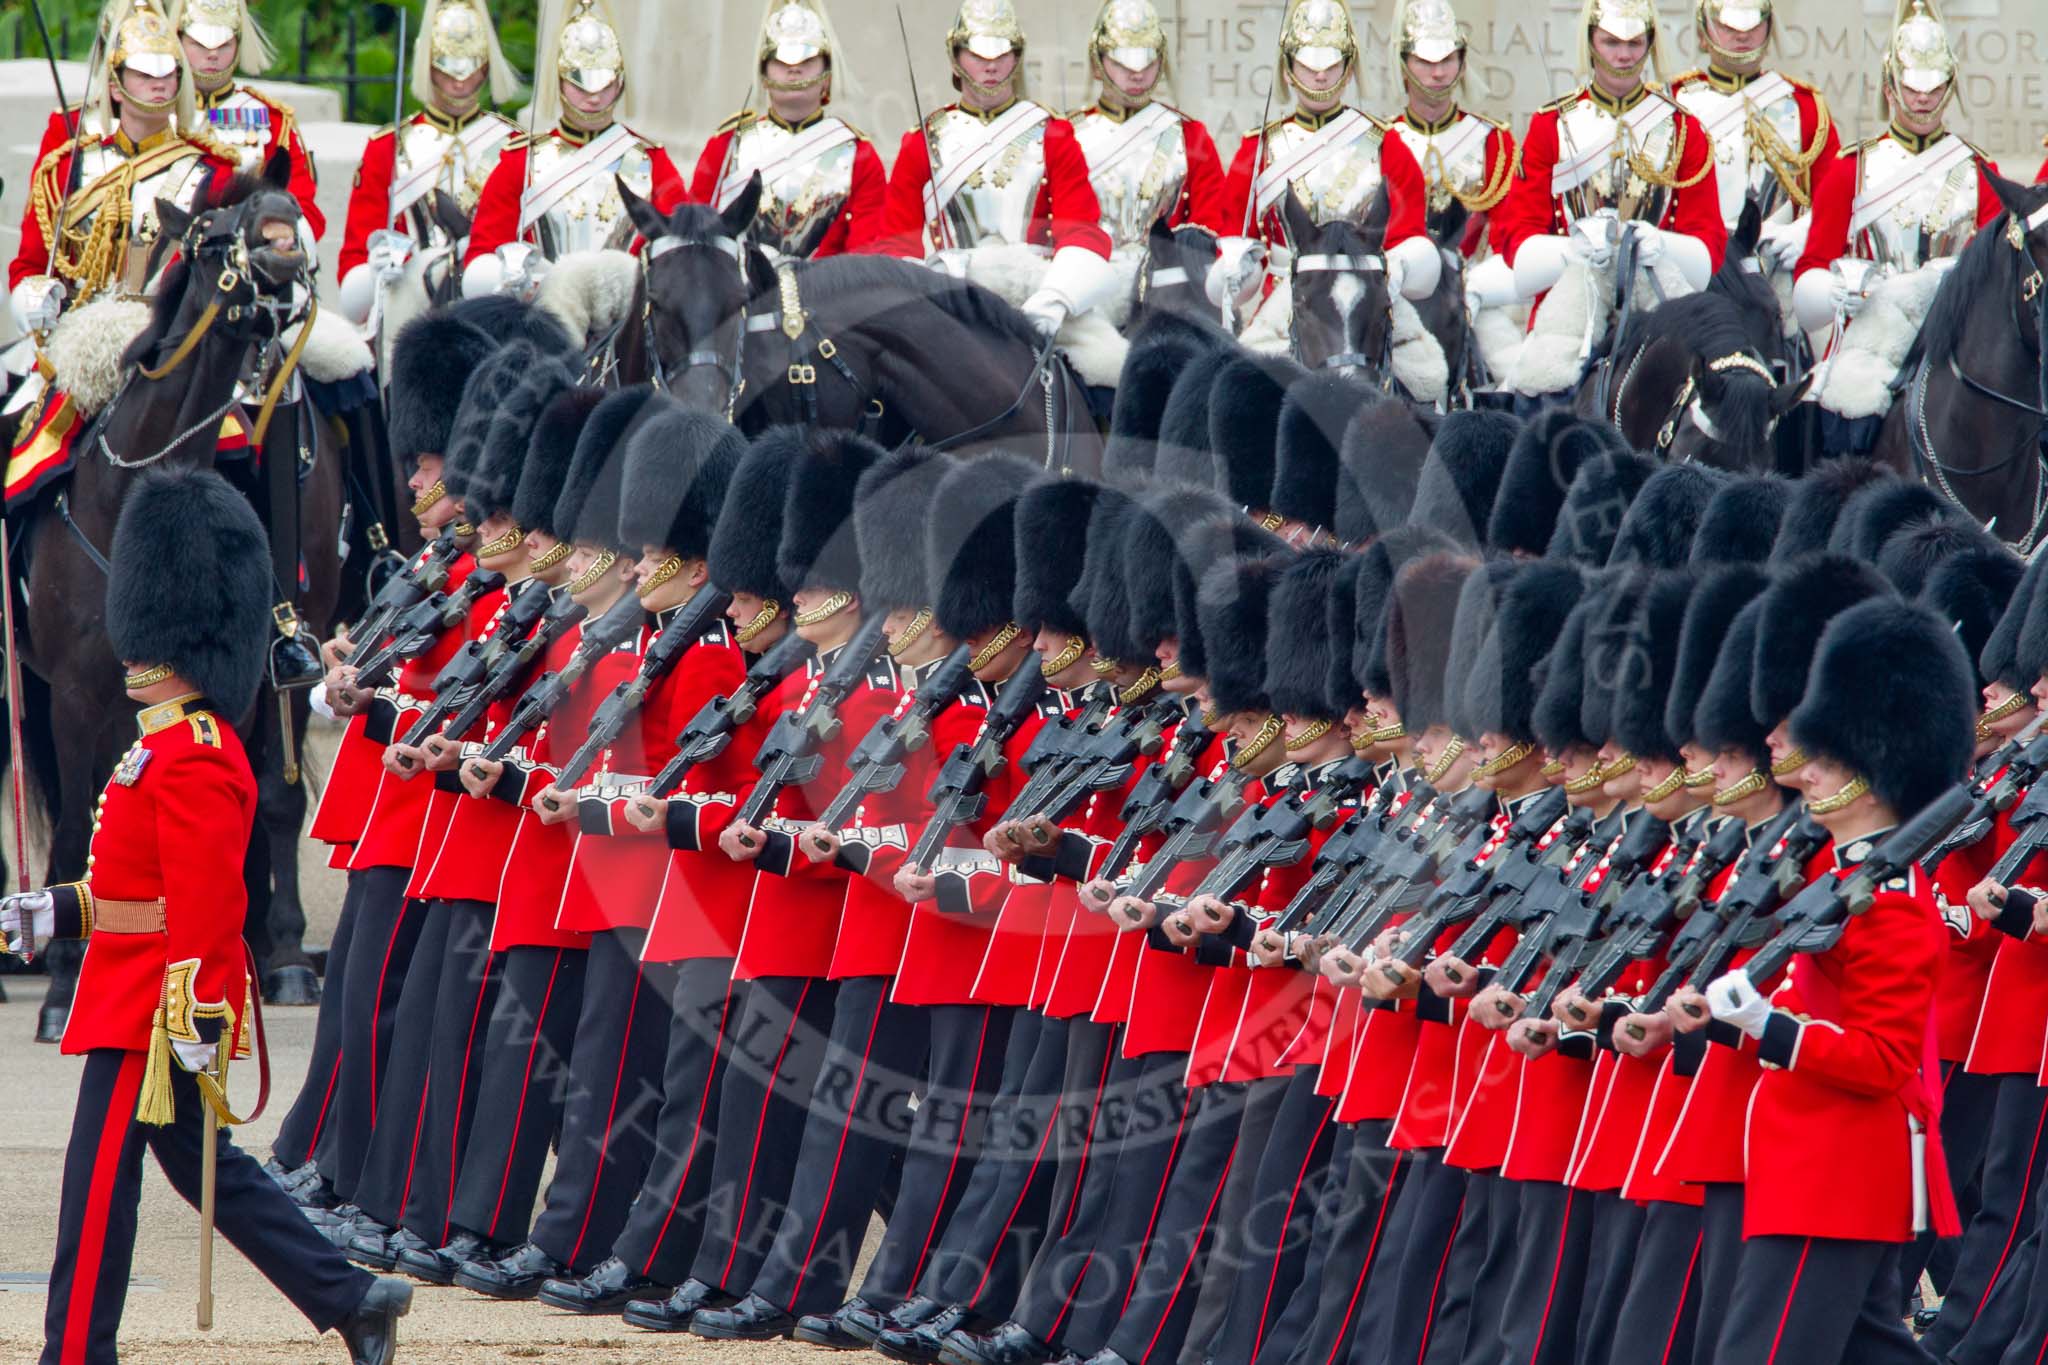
1350 885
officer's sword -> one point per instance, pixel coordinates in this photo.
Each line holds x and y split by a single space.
209 1163
931 155
17 780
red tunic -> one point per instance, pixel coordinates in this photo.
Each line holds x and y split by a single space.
1827 241
1407 192
497 207
32 257
1066 214
854 227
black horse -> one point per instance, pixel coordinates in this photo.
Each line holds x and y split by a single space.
870 343
1970 420
1342 312
216 322
1174 277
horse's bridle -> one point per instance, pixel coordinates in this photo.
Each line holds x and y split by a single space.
1372 263
1690 401
730 365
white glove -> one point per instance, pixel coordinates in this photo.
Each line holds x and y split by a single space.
389 251
35 909
1812 300
1649 244
1239 272
37 302
1781 244
1539 263
1734 1000
482 277
1592 241
194 1056
1047 312
358 294
1414 268
1845 298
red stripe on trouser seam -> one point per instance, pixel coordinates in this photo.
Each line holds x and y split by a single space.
1180 1127
1685 1288
525 1084
611 1112
988 1262
767 1098
377 1010
2024 1207
1564 1232
1371 1250
959 1141
711 1075
99 1198
1088 1139
461 1089
867 1053
1293 1198
412 1153
1194 1254
320 1121
1791 1292
1159 1199
1436 1289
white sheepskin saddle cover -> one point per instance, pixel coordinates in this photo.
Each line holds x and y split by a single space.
590 291
1419 361
1548 359
1873 346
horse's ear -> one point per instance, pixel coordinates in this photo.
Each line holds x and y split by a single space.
647 219
2019 200
1787 395
1449 227
1301 224
277 171
739 214
173 221
1159 240
1374 224
1749 227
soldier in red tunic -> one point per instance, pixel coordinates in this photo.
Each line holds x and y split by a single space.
164 994
220 38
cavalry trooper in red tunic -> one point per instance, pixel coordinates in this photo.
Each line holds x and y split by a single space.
165 992
452 144
822 182
1615 152
1773 138
996 168
558 191
1331 157
1148 161
220 37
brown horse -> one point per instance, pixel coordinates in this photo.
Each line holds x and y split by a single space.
216 322
1971 418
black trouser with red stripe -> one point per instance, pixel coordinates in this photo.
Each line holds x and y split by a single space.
521 1080
429 1090
969 1044
777 1051
662 1228
380 951
1539 1318
96 1216
300 1133
1355 1246
1037 1125
1120 1178
1617 1229
1268 1217
608 1116
2014 1157
1720 1257
1967 1104
1187 1231
1660 1313
1472 1279
859 1117
1817 1300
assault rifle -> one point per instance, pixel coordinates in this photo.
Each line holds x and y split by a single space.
1104 759
1484 891
1349 858
2022 771
1548 899
876 764
956 793
618 624
415 631
1568 938
712 728
1406 866
564 613
459 678
789 756
403 591
1153 795
1054 751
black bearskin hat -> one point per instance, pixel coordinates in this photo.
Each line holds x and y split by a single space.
1558 717
1245 399
818 548
493 486
1421 609
1706 652
749 526
1648 667
1102 596
1340 620
1541 466
1876 512
1308 468
1233 605
1879 662
971 543
1373 588
1606 649
1382 456
1658 528
549 454
588 506
431 362
189 585
1500 687
679 464
1052 539
1970 591
1201 545
1913 553
1816 503
1184 451
1741 521
2012 655
1298 647
891 504
1478 611
1454 493
1800 601
1723 719
1157 356
1158 550
1595 506
473 466
511 319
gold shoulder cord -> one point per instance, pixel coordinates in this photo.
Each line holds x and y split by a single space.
90 259
1505 171
1792 168
1668 174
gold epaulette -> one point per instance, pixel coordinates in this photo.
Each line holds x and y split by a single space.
520 141
1499 125
1562 102
205 729
1696 74
384 131
1860 144
858 134
735 120
204 139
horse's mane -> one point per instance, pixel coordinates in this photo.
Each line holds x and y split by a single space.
1985 269
886 279
163 311
227 191
1710 325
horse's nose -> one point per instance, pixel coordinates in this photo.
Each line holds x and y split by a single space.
279 234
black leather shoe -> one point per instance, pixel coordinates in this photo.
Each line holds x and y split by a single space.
1105 1356
673 1313
751 1319
853 1325
606 1289
518 1274
293 660
915 1311
1010 1344
437 1265
367 1242
920 1345
371 1332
